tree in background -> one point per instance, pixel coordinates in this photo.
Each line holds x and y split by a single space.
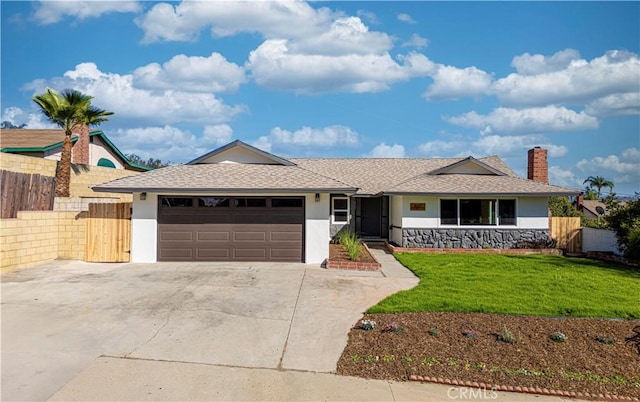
69 110
598 182
561 206
152 163
624 219
9 125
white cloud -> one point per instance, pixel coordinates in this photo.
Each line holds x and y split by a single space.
169 143
345 36
563 177
512 146
532 120
406 18
440 148
451 83
263 143
628 163
220 134
383 150
50 12
272 19
615 105
368 16
516 145
315 137
579 83
416 41
275 66
18 117
196 74
118 93
528 64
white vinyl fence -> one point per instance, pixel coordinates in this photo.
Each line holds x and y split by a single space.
599 240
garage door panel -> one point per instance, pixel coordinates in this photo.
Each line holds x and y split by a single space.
176 254
226 233
283 254
249 254
213 253
176 235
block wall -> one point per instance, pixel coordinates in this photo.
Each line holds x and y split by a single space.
39 236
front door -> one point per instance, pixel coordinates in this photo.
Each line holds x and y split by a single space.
370 217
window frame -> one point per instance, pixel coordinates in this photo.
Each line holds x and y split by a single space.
496 212
334 210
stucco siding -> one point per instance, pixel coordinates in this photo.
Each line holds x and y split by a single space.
533 212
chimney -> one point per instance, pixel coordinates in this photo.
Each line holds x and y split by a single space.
537 169
81 147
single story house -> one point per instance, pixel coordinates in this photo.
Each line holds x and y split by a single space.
239 203
88 148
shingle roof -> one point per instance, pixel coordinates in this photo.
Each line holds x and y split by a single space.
463 184
27 138
377 175
230 177
362 176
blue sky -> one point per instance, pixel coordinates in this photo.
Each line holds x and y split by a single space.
344 79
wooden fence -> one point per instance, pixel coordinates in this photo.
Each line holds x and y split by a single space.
108 232
567 233
25 192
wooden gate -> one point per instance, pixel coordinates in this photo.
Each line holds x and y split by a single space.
108 232
567 233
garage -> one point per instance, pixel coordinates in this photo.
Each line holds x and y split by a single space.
230 228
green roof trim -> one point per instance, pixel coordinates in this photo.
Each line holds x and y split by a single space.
98 133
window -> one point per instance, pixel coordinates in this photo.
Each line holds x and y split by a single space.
478 212
286 202
449 212
251 202
213 202
177 202
339 210
507 212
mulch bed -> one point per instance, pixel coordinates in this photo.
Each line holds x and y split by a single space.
338 253
581 364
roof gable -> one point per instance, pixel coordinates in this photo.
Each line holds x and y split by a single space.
30 140
469 165
240 152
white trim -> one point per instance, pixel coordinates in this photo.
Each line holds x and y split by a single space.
333 210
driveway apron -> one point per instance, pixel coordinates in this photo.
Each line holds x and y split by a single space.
59 317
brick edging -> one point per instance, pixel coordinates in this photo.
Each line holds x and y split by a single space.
359 266
518 251
526 390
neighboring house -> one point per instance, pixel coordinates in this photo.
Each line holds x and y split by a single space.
88 148
592 209
241 203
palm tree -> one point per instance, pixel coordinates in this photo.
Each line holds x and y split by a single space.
69 110
598 182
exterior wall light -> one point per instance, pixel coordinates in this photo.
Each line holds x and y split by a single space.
143 196
317 197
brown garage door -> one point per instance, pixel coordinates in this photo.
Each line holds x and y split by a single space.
217 228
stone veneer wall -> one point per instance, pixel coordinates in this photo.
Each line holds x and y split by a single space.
470 238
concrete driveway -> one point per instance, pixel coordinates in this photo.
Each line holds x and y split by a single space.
59 317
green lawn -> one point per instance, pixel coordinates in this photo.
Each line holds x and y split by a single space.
545 285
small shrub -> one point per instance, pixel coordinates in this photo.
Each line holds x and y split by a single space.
469 333
388 358
407 359
367 325
355 358
351 243
605 339
558 337
507 336
430 361
434 332
370 359
393 327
